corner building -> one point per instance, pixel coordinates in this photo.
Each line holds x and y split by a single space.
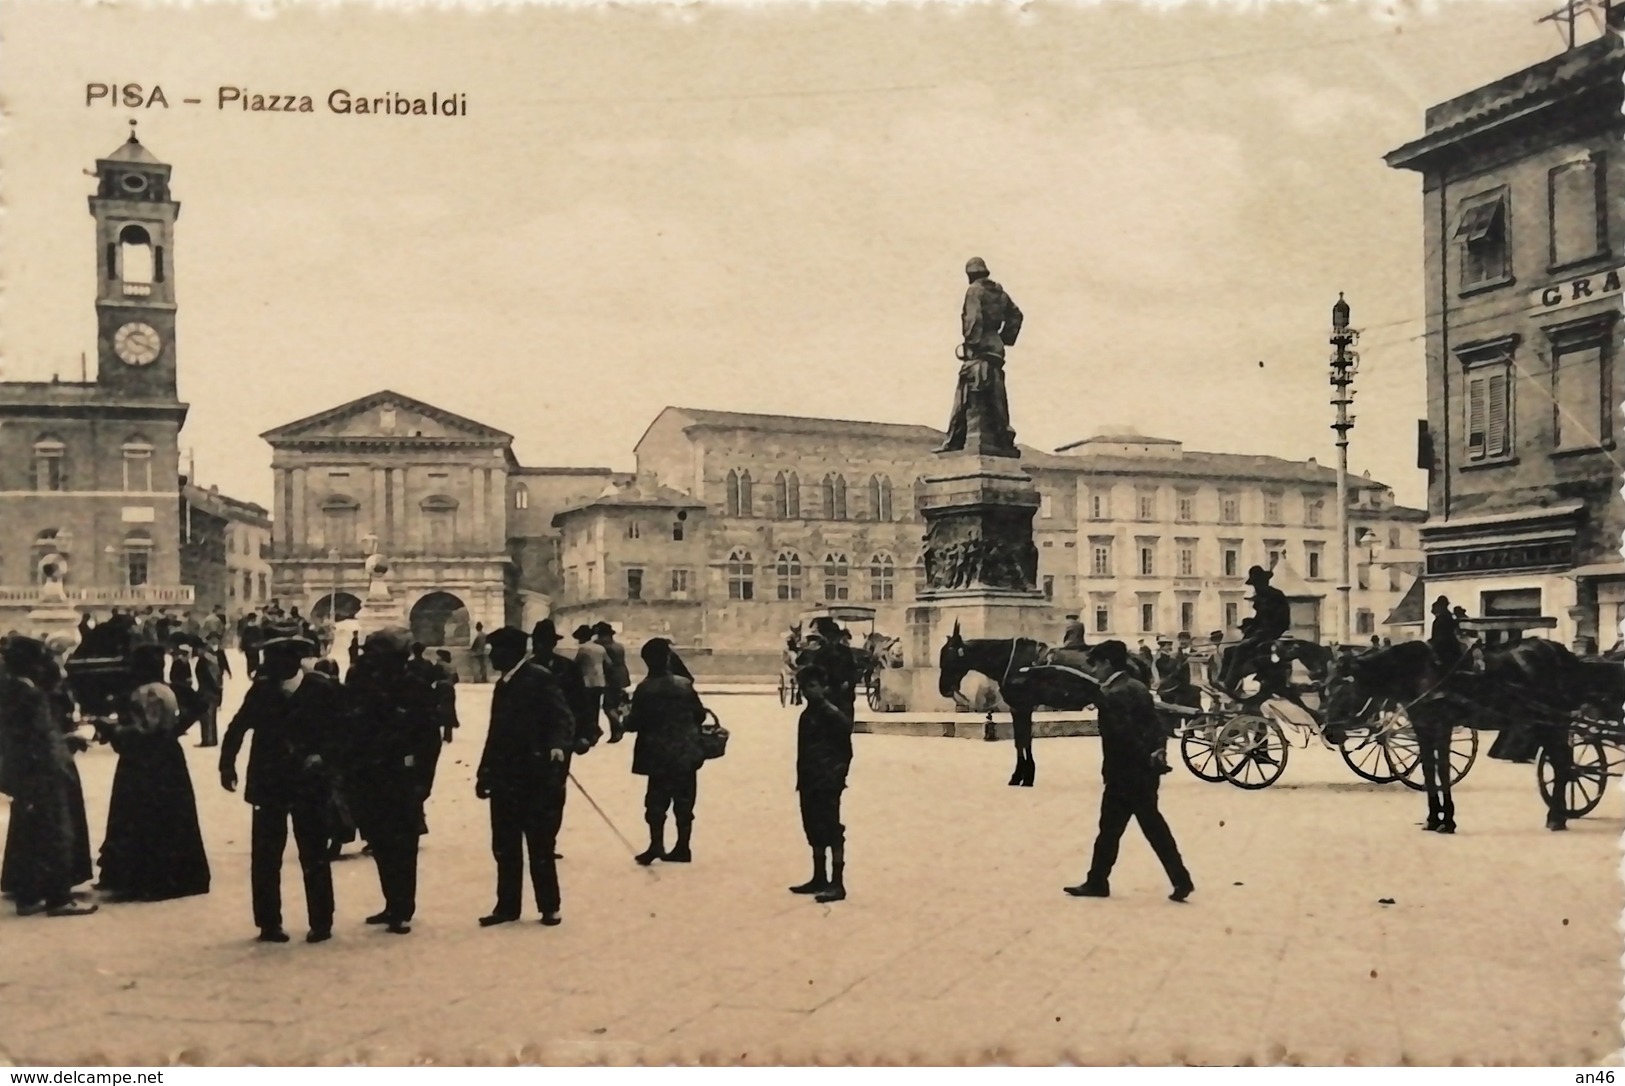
90 469
1524 234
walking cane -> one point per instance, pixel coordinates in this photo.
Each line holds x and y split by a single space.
630 847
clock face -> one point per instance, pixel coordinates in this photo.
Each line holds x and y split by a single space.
136 343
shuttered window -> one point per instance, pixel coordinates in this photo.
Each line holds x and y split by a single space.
1489 413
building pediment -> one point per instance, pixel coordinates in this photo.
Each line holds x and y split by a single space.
386 417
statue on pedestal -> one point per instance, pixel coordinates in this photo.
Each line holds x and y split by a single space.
377 588
991 322
53 569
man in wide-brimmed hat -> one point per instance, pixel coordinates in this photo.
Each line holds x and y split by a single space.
297 717
833 656
1132 761
1271 619
522 772
394 741
617 679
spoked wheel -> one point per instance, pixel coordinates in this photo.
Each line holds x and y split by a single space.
1251 751
872 693
1404 752
1365 754
1587 780
1197 749
784 690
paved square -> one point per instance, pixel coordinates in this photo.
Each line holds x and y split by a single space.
1502 944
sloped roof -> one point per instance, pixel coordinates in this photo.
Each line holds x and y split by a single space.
475 430
131 150
1199 465
706 419
1123 438
1412 607
636 496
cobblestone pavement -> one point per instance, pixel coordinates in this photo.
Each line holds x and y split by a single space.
1501 944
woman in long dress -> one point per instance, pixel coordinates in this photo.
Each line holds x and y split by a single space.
154 848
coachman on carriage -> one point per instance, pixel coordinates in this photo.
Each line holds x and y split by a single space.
828 636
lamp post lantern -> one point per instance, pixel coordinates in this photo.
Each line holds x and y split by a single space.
1345 364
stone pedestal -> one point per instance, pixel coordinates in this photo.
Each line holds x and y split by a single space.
379 614
49 620
981 566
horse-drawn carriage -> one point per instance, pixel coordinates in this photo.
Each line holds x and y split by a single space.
872 651
101 676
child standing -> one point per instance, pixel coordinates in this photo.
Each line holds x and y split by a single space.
823 757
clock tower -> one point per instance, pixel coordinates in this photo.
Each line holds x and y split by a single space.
135 282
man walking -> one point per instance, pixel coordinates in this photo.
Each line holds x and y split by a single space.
479 652
617 679
1132 762
522 773
296 717
591 660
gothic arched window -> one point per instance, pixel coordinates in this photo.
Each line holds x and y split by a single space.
787 496
837 577
730 494
787 568
835 497
521 496
741 576
747 496
880 504
882 577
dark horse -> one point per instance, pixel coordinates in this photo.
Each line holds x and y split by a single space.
1532 683
1012 665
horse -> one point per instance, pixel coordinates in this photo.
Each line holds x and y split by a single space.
1272 669
1534 683
1015 666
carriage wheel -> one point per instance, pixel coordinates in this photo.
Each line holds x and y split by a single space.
872 693
1251 751
1586 782
1404 752
1198 751
784 690
1368 757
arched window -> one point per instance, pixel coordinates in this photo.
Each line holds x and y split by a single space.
136 261
730 497
882 577
783 500
747 496
837 577
137 558
793 496
338 520
439 523
741 576
835 497
787 568
50 463
521 496
880 497
137 464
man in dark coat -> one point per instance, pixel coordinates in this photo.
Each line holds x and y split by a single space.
394 738
1271 619
1133 759
212 670
823 757
666 715
522 773
566 671
250 636
833 657
298 720
1173 673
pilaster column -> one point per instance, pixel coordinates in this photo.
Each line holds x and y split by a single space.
298 515
474 533
279 508
380 506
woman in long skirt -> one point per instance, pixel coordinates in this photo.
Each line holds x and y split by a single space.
154 848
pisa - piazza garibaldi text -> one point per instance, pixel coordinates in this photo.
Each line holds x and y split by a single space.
339 100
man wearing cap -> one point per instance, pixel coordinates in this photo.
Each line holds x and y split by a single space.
833 656
522 773
617 679
1173 672
1271 619
1133 759
297 718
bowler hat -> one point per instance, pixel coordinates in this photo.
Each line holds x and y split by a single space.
545 633
287 637
1112 652
582 632
1258 575
508 639
603 629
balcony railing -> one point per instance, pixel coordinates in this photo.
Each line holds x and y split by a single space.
137 290
107 596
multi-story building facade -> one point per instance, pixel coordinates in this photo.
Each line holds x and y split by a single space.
248 555
535 546
391 475
1524 232
225 550
1136 534
89 469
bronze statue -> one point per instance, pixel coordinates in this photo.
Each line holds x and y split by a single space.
991 322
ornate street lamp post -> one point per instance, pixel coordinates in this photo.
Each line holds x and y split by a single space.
1345 364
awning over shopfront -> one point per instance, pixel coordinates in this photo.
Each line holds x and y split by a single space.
1598 571
1412 608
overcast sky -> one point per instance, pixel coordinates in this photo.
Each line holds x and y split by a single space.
758 209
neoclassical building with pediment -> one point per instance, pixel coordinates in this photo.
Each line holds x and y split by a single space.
438 494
